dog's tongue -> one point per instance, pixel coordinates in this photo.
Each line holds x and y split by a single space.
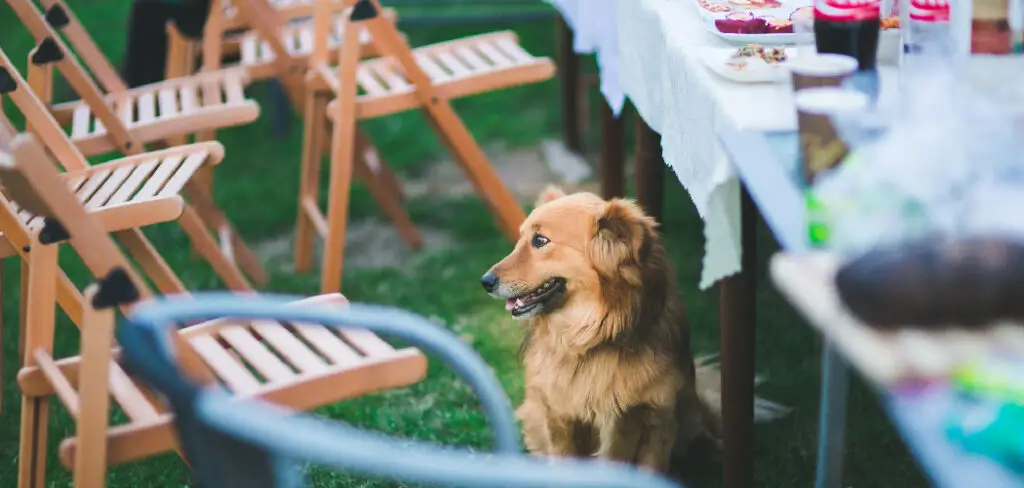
511 304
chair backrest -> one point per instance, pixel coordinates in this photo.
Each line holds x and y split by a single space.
249 443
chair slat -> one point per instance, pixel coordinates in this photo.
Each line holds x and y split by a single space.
385 71
327 344
184 173
448 61
432 68
256 354
163 171
368 82
168 103
189 97
514 51
95 180
233 89
289 346
147 107
367 342
234 375
80 121
305 40
472 59
493 55
110 186
139 175
126 110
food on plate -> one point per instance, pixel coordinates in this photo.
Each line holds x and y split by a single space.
932 283
715 7
778 26
741 23
891 22
755 53
756 3
802 13
748 23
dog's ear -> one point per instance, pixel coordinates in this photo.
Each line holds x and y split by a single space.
551 193
622 239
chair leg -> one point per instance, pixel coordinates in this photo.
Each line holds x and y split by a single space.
206 246
342 153
235 250
315 133
151 261
90 468
35 419
23 310
460 142
2 269
385 189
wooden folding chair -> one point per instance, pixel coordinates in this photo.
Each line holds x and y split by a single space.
40 121
401 79
299 367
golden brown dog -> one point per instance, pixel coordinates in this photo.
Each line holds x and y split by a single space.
607 356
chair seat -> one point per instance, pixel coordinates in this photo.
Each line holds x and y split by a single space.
301 367
205 101
133 192
257 56
459 68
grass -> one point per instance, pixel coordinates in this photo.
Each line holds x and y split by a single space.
256 187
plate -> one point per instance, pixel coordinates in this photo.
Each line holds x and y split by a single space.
716 60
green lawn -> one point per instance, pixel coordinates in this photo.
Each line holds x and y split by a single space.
256 186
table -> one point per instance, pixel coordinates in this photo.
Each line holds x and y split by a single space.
767 163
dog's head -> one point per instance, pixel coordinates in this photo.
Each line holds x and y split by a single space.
572 250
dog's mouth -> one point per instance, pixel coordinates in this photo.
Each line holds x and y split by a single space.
530 301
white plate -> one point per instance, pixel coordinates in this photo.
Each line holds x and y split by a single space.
716 60
783 11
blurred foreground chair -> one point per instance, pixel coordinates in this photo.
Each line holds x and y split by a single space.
258 444
401 79
228 259
299 367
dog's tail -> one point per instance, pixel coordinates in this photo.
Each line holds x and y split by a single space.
709 390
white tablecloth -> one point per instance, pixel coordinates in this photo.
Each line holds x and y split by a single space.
593 26
661 44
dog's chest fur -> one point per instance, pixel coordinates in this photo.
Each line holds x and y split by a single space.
601 382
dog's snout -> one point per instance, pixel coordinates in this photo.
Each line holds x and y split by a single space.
489 281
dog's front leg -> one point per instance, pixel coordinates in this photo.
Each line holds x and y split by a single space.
564 437
643 436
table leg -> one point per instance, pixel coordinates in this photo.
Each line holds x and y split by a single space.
569 75
613 158
737 313
835 386
650 169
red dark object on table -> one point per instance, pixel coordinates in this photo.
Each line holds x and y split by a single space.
741 23
849 27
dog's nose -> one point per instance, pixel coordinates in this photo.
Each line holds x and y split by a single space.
489 281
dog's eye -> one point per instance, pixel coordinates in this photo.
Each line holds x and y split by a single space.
539 241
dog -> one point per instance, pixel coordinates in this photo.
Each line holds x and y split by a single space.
608 366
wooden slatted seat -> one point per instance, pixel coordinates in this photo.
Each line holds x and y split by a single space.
457 69
298 367
163 110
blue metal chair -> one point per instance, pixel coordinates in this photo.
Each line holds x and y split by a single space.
229 442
